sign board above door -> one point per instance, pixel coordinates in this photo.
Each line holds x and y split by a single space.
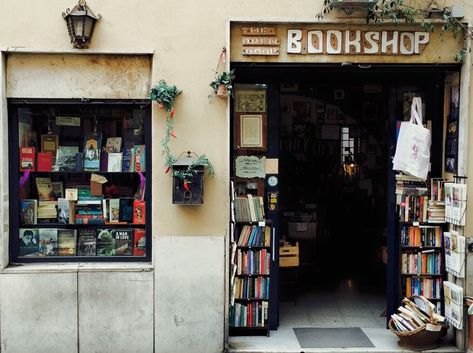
332 43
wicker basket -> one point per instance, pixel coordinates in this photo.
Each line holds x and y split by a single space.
419 339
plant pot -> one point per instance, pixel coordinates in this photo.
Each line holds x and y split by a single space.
161 105
222 91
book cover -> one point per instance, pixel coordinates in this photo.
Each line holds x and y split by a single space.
45 162
27 158
79 162
114 162
48 242
63 211
47 210
66 158
92 147
114 210
71 194
44 188
128 164
67 242
139 210
123 242
114 144
29 242
87 242
57 190
139 248
139 158
49 143
126 210
105 242
28 212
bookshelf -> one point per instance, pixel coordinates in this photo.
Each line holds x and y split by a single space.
420 229
78 181
250 267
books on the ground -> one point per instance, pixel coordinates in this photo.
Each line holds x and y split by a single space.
128 160
114 162
114 144
45 162
57 190
66 158
44 188
48 245
29 242
86 242
27 158
47 210
139 248
139 212
105 242
139 152
126 210
49 143
64 211
67 242
123 242
114 210
92 148
28 212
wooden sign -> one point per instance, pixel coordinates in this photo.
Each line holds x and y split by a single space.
258 31
250 167
260 40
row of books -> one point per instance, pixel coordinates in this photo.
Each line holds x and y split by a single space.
253 262
425 262
249 209
251 287
421 236
95 211
249 315
82 242
254 236
69 159
415 314
413 208
428 287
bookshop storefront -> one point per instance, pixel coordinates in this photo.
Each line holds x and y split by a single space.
313 127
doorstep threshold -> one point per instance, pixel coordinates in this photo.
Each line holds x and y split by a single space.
446 349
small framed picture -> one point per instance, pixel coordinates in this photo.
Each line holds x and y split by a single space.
250 131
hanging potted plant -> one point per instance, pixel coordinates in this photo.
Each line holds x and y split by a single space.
164 95
222 85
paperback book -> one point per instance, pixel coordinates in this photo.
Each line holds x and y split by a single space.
123 242
139 210
92 146
66 158
67 242
114 162
87 242
28 212
44 188
63 211
48 245
45 162
27 158
139 248
105 242
140 158
29 242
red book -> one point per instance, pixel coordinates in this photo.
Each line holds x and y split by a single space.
27 158
139 212
139 243
45 161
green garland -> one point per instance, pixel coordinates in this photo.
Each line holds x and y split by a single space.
165 95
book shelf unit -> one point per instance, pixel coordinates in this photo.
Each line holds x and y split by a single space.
250 279
59 211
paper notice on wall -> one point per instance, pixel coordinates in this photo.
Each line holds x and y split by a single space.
454 253
272 166
453 295
250 167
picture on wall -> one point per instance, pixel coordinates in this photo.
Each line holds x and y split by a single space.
251 131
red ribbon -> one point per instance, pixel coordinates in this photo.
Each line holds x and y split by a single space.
173 134
167 170
171 114
186 186
222 59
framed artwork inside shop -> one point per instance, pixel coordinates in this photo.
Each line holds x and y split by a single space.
80 181
250 131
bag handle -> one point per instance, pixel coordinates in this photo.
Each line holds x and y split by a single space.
416 111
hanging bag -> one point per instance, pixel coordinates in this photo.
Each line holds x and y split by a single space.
413 144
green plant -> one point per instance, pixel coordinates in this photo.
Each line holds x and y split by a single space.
200 161
164 94
226 79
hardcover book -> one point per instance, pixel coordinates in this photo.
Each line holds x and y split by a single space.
29 242
139 210
45 162
63 211
49 143
105 242
28 212
140 158
114 162
57 190
128 164
123 242
126 210
87 242
114 210
114 144
48 242
139 241
67 242
47 210
92 148
66 158
27 158
44 188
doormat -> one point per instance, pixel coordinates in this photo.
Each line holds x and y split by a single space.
333 337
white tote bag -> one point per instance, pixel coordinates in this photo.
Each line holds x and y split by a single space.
413 144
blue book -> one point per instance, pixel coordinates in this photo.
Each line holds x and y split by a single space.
127 160
92 146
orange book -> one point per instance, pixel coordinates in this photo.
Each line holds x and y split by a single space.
424 263
408 287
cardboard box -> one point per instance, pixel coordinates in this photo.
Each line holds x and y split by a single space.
289 255
302 230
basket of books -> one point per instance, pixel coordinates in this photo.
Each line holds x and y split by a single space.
417 324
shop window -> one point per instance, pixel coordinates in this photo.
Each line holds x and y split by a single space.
80 187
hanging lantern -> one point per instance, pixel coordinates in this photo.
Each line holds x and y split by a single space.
80 24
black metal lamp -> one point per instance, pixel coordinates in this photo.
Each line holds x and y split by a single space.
80 24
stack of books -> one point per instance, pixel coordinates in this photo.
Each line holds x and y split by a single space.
249 209
415 314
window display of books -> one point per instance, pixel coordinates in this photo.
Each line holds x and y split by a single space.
82 190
